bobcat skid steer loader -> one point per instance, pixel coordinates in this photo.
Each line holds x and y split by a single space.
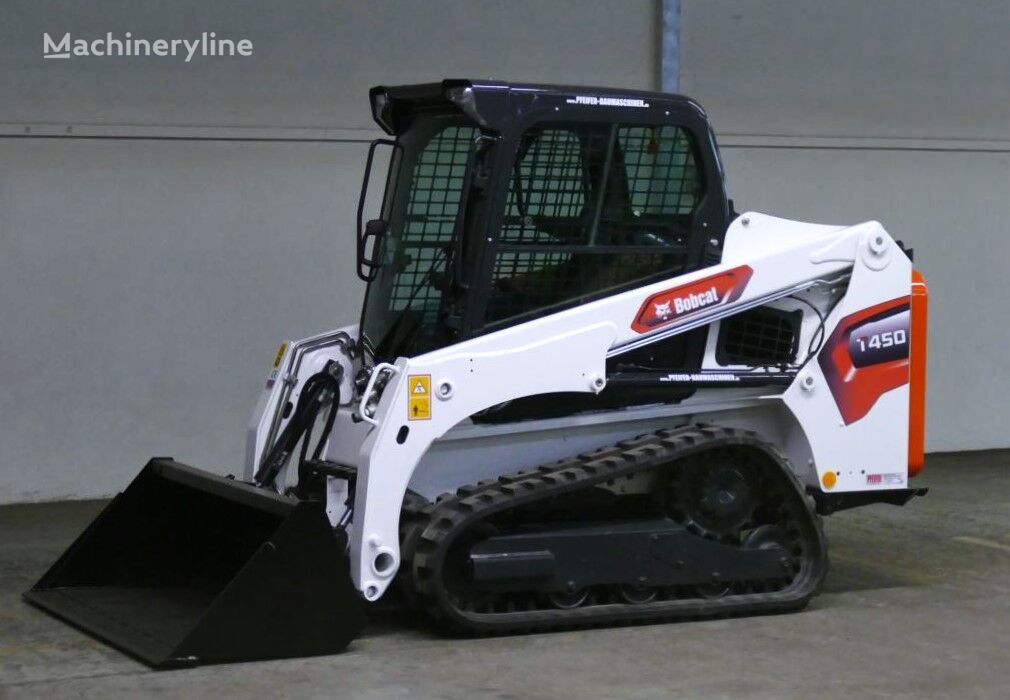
583 391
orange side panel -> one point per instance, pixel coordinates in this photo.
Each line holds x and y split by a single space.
917 376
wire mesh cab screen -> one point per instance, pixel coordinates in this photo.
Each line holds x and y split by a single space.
404 301
432 204
593 207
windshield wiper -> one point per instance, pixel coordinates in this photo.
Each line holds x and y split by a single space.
395 328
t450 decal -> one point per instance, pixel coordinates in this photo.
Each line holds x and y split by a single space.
866 356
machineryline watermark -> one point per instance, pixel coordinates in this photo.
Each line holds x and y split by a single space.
207 45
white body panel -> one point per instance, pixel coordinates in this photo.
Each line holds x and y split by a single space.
471 452
567 352
878 442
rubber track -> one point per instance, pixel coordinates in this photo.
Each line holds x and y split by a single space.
432 530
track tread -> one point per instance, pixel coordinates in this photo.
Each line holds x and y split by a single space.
436 525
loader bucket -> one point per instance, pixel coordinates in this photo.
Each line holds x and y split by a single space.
185 567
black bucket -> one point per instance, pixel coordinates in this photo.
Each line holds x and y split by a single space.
185 567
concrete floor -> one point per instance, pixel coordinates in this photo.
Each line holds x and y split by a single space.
917 605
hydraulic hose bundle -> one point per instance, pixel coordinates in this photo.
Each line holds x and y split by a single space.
299 428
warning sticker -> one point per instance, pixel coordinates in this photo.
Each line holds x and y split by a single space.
272 378
280 354
419 397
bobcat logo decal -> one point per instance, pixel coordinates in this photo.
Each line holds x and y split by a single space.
671 306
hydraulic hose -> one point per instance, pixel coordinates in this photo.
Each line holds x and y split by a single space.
299 428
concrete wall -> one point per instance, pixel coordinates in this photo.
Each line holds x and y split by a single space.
163 224
146 281
313 60
891 110
906 69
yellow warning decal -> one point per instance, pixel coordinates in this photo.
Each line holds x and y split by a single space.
280 354
419 397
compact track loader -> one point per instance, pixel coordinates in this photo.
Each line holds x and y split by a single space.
583 390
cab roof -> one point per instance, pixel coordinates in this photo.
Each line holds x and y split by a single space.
494 103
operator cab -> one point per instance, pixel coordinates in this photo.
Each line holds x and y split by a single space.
507 202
